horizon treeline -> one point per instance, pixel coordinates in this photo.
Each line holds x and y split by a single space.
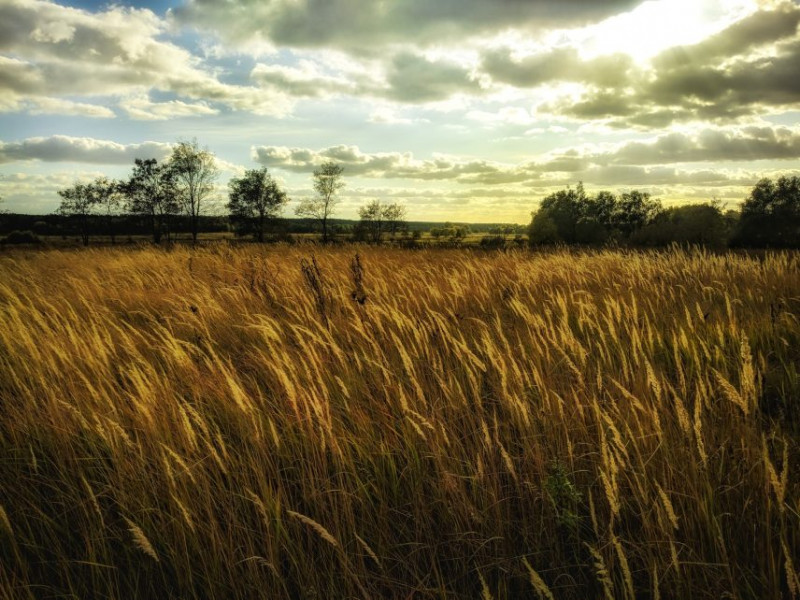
769 217
173 196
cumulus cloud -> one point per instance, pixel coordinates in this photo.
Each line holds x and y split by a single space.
709 145
557 64
355 25
62 148
414 78
306 79
50 51
381 164
746 69
633 163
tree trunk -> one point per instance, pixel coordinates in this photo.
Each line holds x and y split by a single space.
156 230
325 229
195 227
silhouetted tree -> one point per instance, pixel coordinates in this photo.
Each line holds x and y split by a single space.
107 196
327 183
255 199
771 214
151 192
194 173
702 224
634 210
77 203
559 213
573 216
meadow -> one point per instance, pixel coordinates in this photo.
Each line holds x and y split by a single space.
367 422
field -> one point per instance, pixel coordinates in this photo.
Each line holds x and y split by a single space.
255 422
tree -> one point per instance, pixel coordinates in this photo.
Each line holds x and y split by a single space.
327 183
771 214
633 211
702 224
255 199
394 217
77 203
151 193
542 229
194 173
563 209
107 196
372 224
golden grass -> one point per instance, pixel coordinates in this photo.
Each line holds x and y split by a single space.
251 422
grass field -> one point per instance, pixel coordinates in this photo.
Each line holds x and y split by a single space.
254 423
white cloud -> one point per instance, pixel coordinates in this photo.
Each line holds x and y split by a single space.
62 148
142 108
49 50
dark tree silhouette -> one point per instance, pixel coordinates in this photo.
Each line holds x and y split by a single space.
574 217
151 192
255 199
77 203
771 214
108 198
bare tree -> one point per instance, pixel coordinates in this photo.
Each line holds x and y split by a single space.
255 198
327 183
194 174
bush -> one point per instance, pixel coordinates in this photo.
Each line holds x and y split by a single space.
21 237
493 241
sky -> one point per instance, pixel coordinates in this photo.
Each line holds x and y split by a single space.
462 110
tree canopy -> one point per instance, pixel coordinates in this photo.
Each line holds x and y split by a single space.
255 199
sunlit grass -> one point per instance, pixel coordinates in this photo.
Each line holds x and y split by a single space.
238 423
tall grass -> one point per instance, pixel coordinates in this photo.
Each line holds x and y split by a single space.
242 423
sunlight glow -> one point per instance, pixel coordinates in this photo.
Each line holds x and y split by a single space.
657 25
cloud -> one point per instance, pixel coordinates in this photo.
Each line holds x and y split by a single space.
62 148
142 108
36 193
632 163
50 51
61 106
748 68
557 64
713 145
304 80
358 26
389 165
414 78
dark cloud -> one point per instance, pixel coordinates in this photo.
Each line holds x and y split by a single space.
355 24
762 27
560 64
744 70
413 78
713 145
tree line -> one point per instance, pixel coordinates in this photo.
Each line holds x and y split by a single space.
769 217
183 185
